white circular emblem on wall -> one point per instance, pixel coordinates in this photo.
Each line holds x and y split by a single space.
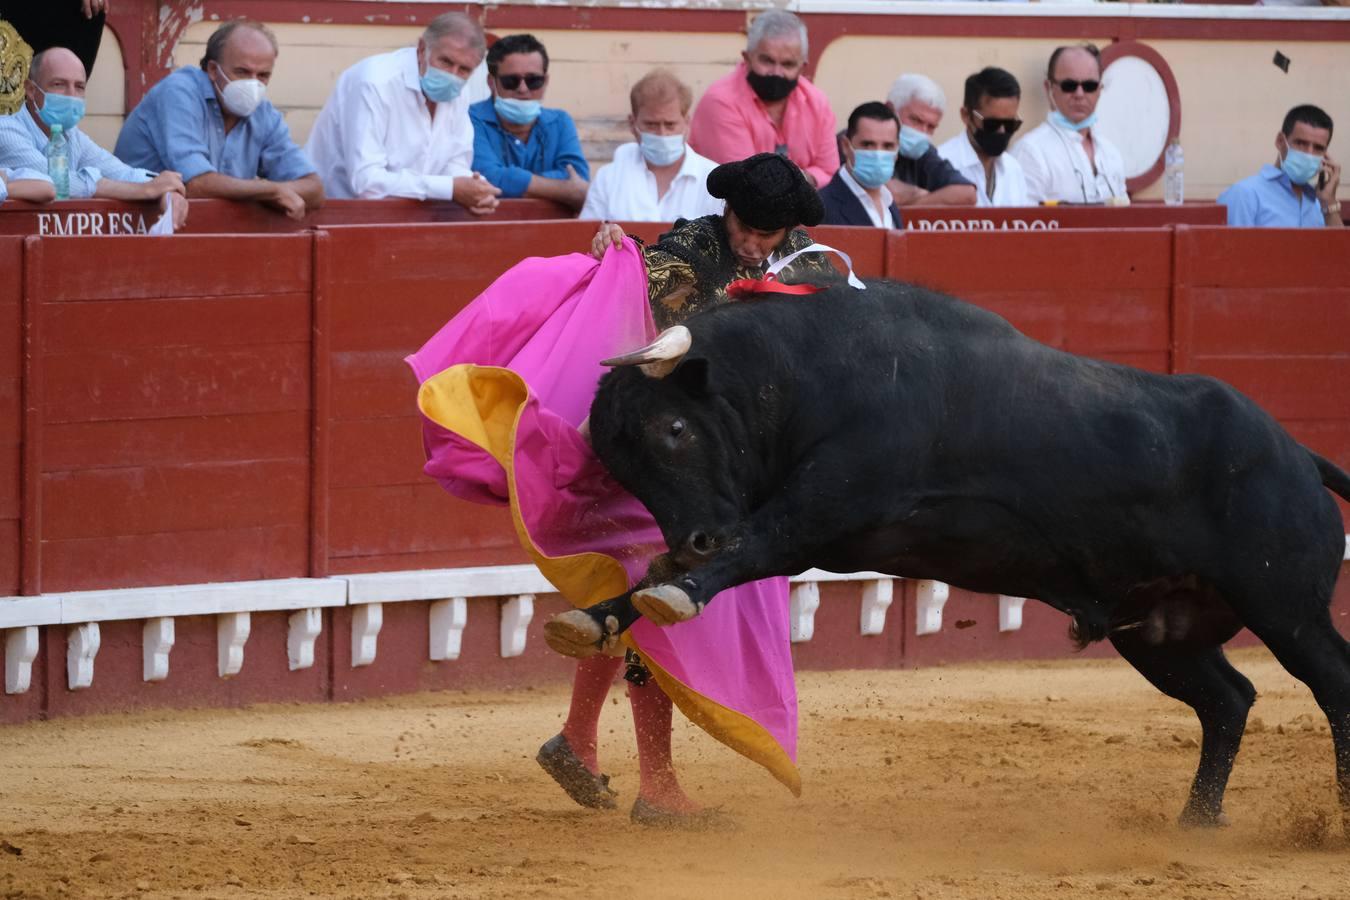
1139 111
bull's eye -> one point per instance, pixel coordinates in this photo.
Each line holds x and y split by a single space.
676 427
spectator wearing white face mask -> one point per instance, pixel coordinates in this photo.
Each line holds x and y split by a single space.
397 124
215 127
657 178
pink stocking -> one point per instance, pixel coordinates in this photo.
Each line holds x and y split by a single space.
651 720
591 685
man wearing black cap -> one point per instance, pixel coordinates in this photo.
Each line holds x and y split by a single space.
689 268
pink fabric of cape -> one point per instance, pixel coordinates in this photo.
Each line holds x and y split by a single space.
551 321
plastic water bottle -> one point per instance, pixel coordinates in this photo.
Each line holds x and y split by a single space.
1174 179
58 162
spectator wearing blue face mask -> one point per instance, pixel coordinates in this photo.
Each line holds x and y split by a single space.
1299 191
922 177
857 195
397 124
54 95
519 146
659 177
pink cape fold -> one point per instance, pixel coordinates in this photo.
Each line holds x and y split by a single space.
550 321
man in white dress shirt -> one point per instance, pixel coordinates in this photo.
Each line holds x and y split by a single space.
990 116
1064 158
397 124
658 177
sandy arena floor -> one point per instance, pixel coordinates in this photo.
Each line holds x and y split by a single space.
992 781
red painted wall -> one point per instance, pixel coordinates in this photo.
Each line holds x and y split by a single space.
11 410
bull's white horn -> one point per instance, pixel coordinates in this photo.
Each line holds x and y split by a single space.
659 358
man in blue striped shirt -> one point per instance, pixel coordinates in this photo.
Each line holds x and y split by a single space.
54 95
215 126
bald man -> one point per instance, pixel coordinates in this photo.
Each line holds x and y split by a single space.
54 95
214 124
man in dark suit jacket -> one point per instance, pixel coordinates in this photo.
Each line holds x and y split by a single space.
857 195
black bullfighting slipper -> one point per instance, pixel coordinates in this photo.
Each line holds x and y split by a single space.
581 784
652 816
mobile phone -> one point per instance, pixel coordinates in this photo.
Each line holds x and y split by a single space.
1322 177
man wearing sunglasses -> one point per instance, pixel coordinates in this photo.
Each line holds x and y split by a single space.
518 145
1065 159
397 124
1299 191
990 116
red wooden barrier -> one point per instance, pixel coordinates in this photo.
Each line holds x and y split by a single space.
104 218
1269 312
11 410
1100 293
1042 218
385 291
168 404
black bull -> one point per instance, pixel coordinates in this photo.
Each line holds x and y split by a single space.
902 431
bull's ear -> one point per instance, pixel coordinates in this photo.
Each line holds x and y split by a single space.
692 375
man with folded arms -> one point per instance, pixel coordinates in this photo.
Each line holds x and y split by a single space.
214 125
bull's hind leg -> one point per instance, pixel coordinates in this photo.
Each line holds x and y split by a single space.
1203 679
1316 654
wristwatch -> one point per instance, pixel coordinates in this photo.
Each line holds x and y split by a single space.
1332 209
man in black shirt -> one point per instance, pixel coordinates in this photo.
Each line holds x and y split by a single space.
922 176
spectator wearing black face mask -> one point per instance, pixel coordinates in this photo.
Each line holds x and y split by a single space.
766 106
990 115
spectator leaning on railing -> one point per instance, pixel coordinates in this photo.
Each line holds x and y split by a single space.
1300 190
978 153
922 176
518 145
397 124
766 105
55 96
656 178
26 185
215 126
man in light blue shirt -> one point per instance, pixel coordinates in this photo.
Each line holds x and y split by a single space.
1298 192
215 126
519 146
54 95
24 184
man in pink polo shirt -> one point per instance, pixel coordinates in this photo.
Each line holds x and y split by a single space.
765 106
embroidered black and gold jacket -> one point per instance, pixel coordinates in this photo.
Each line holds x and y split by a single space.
689 268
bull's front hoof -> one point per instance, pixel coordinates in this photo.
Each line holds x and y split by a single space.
574 633
665 604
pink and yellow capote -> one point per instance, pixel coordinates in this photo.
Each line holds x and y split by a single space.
504 387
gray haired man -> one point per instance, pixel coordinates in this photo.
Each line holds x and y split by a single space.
397 124
922 176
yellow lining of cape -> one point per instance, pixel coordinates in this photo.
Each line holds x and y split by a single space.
483 405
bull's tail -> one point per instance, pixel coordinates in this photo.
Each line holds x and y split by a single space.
1333 476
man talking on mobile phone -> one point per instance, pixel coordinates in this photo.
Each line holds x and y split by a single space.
1299 191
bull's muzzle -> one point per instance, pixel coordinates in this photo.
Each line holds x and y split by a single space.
659 358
